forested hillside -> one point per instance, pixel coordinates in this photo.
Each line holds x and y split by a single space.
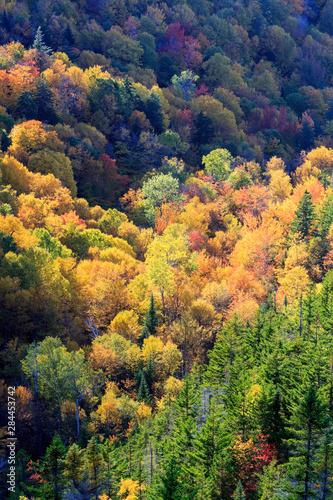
166 250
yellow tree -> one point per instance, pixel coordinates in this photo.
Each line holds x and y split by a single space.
165 252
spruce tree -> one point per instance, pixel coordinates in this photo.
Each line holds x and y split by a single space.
151 319
150 322
53 461
188 400
143 392
307 423
44 100
39 43
26 105
96 466
74 464
239 492
304 216
224 353
204 132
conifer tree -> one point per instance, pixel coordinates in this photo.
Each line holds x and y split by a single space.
53 461
74 464
44 100
224 353
150 322
308 422
239 492
204 130
39 43
270 411
187 402
143 392
304 216
96 466
26 105
151 319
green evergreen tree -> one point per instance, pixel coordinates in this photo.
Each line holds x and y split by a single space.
74 464
204 131
44 100
143 392
150 322
151 319
224 353
153 111
53 463
304 216
307 423
188 400
239 492
172 487
270 414
26 105
96 467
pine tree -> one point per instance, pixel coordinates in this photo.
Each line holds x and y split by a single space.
26 105
269 412
224 353
150 322
74 464
208 461
308 422
239 492
204 132
188 400
53 461
172 487
151 319
44 100
304 216
39 43
96 466
153 111
143 392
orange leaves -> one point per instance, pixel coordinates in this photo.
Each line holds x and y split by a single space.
30 137
16 80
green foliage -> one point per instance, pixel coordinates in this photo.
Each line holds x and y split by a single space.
185 83
304 216
217 163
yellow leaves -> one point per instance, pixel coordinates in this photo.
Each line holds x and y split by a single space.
108 413
172 387
294 282
152 347
275 164
143 413
171 358
168 250
12 226
321 158
280 185
129 489
297 255
195 217
203 312
126 323
15 174
253 393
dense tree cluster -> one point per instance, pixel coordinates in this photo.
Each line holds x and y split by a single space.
166 249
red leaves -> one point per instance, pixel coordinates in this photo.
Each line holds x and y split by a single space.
196 241
183 49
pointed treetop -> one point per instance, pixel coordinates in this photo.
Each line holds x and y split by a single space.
39 43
